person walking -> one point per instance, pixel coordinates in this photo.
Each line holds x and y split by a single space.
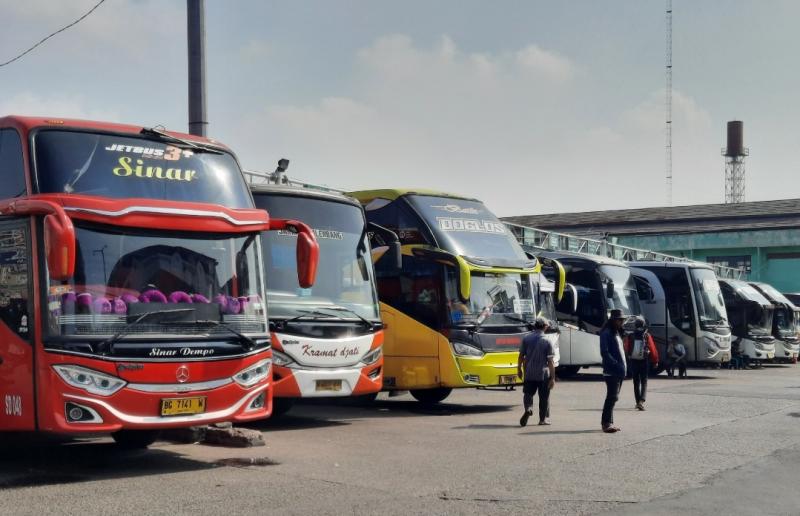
614 368
539 375
641 351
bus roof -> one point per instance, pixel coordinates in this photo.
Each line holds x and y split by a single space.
391 194
309 193
595 258
28 123
677 265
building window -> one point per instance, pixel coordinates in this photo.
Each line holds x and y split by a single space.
737 262
782 256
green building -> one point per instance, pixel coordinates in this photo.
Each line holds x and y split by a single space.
761 237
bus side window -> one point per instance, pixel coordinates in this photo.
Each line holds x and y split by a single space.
12 170
14 279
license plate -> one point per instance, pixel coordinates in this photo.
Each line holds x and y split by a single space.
508 379
329 385
770 355
182 406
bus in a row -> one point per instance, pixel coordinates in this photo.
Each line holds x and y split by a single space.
132 285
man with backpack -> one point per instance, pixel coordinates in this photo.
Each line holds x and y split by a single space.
640 349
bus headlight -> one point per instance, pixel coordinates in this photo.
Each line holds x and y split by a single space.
281 359
372 356
466 350
253 374
711 345
93 382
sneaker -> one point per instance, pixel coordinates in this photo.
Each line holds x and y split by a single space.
544 422
640 406
524 419
610 429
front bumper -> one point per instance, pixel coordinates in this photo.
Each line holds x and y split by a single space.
490 370
307 383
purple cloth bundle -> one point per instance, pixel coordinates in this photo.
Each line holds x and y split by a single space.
153 296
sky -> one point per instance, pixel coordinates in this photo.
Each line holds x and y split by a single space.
531 106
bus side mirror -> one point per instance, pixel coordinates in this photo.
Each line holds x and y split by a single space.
392 246
569 301
307 258
610 289
307 251
59 243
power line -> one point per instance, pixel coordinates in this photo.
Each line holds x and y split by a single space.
90 11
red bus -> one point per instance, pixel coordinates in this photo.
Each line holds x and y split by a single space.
131 281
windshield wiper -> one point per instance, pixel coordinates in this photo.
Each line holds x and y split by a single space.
518 319
69 186
306 314
152 131
249 343
366 321
108 344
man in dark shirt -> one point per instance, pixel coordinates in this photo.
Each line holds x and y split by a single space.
536 355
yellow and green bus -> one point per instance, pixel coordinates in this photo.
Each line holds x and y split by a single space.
460 302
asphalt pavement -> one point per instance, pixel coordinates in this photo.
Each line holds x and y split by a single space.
719 441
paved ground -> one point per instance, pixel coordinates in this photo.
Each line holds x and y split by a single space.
721 441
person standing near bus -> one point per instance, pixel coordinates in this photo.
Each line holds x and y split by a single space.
536 353
640 350
614 368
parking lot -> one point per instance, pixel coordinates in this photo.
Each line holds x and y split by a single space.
718 441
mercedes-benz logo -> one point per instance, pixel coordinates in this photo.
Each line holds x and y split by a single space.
182 374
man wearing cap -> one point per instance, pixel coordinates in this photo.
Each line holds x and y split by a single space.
536 356
614 368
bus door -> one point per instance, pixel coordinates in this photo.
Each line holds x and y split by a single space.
17 404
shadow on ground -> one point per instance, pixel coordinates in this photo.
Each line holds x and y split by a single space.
26 461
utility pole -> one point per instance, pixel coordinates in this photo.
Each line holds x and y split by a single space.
668 102
196 33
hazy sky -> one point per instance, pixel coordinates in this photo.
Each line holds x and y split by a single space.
532 106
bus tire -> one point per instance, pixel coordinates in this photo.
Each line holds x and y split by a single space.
431 396
281 406
567 371
135 439
366 399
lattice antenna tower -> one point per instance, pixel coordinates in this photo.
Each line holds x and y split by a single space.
668 102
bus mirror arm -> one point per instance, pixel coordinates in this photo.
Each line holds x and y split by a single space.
307 249
392 241
59 233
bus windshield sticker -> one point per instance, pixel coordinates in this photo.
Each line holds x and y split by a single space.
471 225
455 208
139 170
170 152
523 306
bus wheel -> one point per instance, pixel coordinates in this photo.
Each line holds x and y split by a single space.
567 371
281 406
431 396
135 439
366 399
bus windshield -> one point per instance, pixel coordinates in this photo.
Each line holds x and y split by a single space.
118 276
493 297
345 277
468 228
710 304
116 166
624 297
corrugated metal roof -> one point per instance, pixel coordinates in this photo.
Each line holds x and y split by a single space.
700 218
